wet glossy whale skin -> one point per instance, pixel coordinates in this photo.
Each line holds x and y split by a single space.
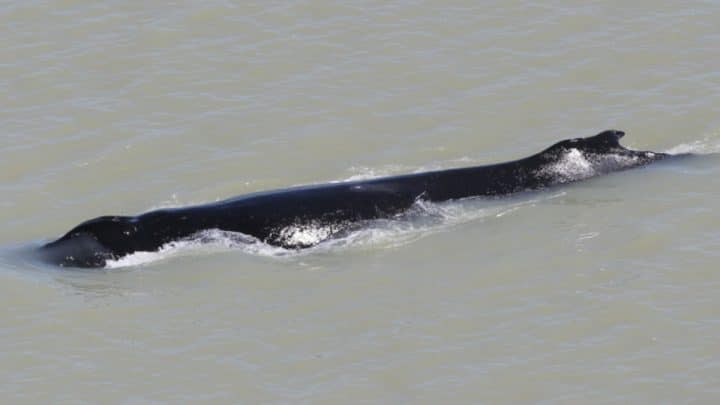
264 215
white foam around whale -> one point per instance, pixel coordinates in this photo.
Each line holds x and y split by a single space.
699 147
708 144
575 165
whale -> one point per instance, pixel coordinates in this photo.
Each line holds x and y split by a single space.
339 206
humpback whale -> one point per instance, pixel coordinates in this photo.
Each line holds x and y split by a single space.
266 215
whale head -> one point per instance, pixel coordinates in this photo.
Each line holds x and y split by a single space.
93 243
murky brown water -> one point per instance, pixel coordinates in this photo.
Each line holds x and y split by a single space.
601 292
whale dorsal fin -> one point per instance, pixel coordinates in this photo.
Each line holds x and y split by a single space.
604 142
609 139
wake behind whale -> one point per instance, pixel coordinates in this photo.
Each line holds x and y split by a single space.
303 217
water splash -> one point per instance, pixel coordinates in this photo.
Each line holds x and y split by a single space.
575 165
707 145
209 241
309 234
704 146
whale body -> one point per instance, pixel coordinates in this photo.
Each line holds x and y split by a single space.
266 215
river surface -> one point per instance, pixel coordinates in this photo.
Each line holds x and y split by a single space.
604 291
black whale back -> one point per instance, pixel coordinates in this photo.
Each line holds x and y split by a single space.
266 215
